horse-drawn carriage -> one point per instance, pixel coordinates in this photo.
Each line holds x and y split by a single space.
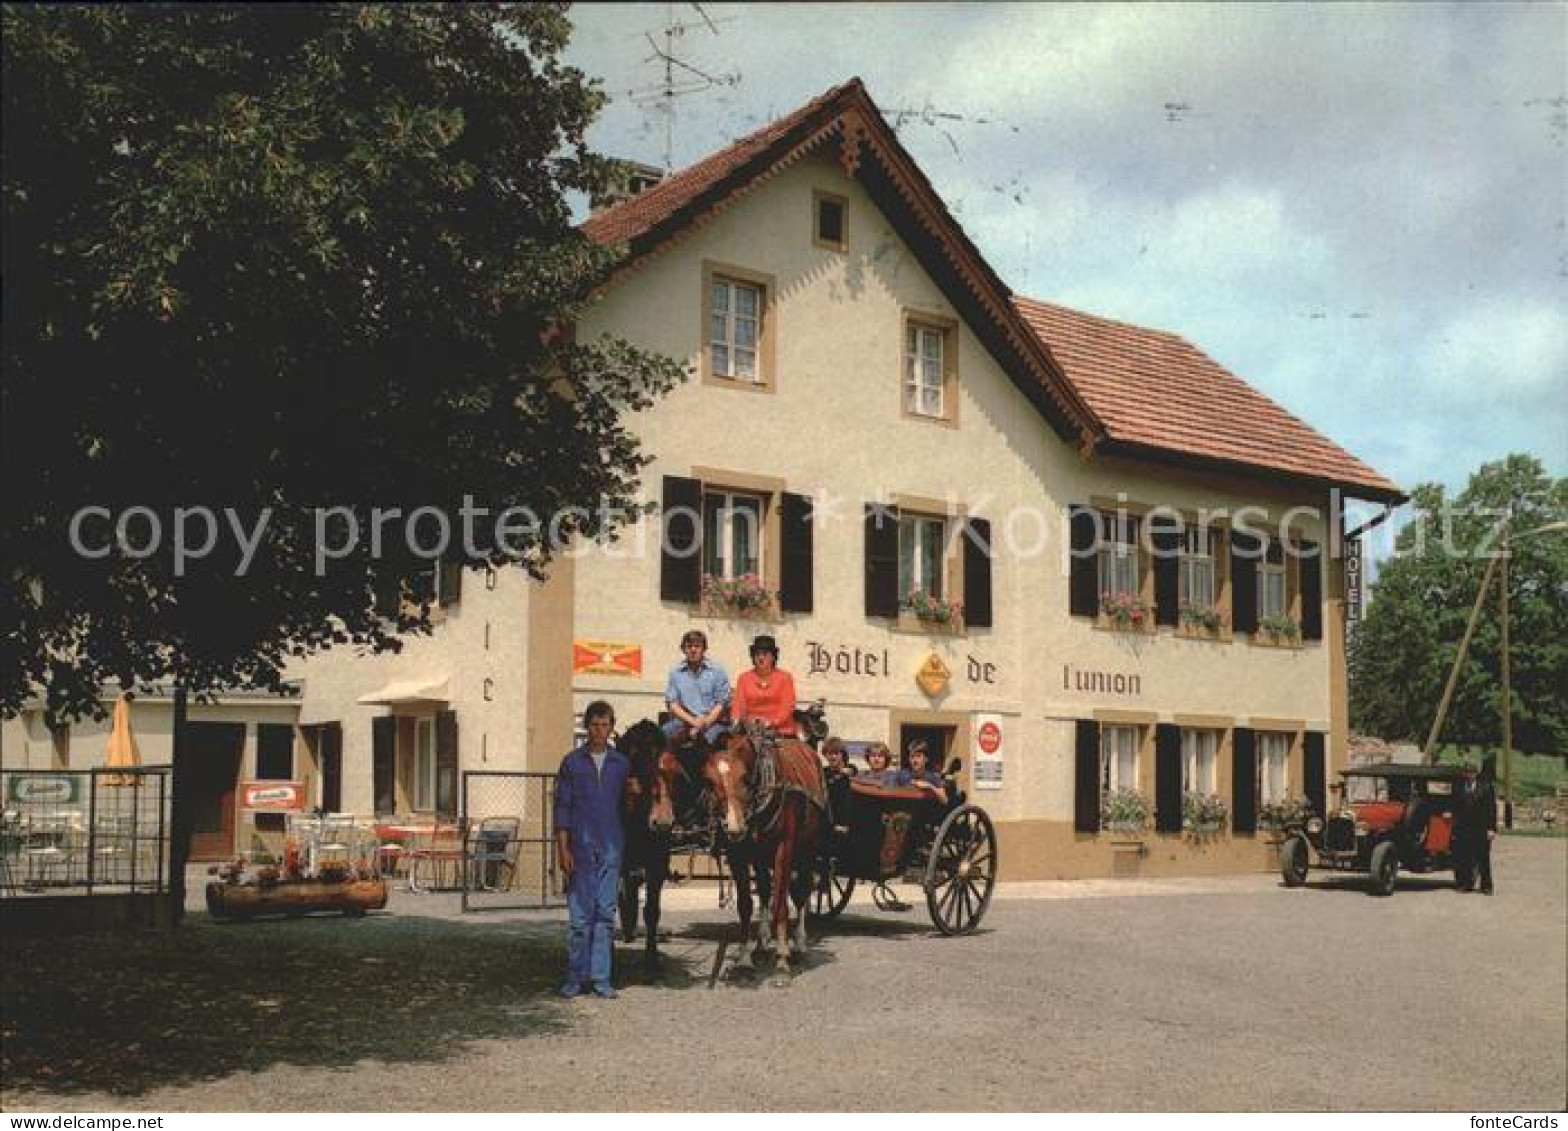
892 835
767 817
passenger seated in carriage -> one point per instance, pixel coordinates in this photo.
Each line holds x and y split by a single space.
838 774
917 773
879 766
697 695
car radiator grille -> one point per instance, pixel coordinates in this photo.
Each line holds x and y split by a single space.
1340 835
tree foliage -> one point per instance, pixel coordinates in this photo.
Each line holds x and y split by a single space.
289 257
1401 654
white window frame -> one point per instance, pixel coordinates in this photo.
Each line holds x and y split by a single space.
1119 750
724 556
1273 583
1196 577
918 535
1273 749
424 763
725 325
1119 560
1200 760
925 374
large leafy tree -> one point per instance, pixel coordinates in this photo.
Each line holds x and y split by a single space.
1401 654
294 257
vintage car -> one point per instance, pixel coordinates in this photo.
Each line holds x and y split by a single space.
1386 817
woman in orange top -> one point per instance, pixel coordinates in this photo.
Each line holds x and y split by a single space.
767 691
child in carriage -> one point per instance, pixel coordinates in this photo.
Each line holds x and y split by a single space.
917 773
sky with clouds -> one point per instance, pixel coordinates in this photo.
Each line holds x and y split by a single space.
1362 210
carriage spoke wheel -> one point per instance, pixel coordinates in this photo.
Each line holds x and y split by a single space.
962 871
831 891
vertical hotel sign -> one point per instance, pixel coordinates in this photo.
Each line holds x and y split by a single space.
1354 580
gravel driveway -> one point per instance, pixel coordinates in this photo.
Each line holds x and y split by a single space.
1226 994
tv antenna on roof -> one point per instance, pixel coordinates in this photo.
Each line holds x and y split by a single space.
681 76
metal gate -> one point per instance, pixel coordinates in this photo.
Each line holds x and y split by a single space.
509 849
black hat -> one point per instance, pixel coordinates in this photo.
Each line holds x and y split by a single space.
765 644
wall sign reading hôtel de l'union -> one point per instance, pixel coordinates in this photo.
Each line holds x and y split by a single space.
842 659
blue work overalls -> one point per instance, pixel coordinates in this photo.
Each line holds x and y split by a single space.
588 807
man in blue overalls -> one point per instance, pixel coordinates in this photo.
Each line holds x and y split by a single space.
588 842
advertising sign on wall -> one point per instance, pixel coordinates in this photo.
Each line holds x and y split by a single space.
606 657
43 789
272 796
989 744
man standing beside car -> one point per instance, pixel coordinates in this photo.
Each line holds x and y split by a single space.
1475 827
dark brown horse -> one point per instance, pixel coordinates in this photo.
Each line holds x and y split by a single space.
647 818
775 820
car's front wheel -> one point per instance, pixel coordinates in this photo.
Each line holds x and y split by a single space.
1385 868
1293 861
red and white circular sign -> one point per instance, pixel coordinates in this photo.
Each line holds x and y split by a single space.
990 737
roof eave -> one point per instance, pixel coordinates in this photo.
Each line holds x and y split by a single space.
1368 492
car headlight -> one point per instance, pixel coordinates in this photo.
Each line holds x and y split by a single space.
1363 829
1314 825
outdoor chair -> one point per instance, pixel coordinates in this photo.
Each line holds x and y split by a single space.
430 854
492 853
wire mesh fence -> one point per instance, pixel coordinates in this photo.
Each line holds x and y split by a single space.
84 832
509 852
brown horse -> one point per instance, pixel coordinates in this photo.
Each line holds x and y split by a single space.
646 817
779 820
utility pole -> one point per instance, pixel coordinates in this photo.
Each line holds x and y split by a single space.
1508 714
1430 748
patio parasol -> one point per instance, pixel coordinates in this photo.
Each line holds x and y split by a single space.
123 753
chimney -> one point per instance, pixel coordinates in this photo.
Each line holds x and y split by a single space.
634 178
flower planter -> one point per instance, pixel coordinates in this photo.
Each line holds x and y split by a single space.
296 897
1126 828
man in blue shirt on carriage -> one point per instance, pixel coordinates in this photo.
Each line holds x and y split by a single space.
589 841
697 694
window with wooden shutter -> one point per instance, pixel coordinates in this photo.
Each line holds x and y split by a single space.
1314 771
1083 578
1086 777
881 525
795 579
446 763
1244 550
680 554
1167 778
383 763
1243 780
1310 565
1167 542
329 755
977 573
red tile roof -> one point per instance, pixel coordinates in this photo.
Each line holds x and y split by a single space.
1153 389
1147 390
637 215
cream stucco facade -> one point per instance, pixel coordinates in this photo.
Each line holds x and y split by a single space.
828 421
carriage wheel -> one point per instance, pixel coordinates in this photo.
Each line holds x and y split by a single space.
831 891
962 871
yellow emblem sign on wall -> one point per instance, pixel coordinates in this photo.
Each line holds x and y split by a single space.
606 657
933 675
